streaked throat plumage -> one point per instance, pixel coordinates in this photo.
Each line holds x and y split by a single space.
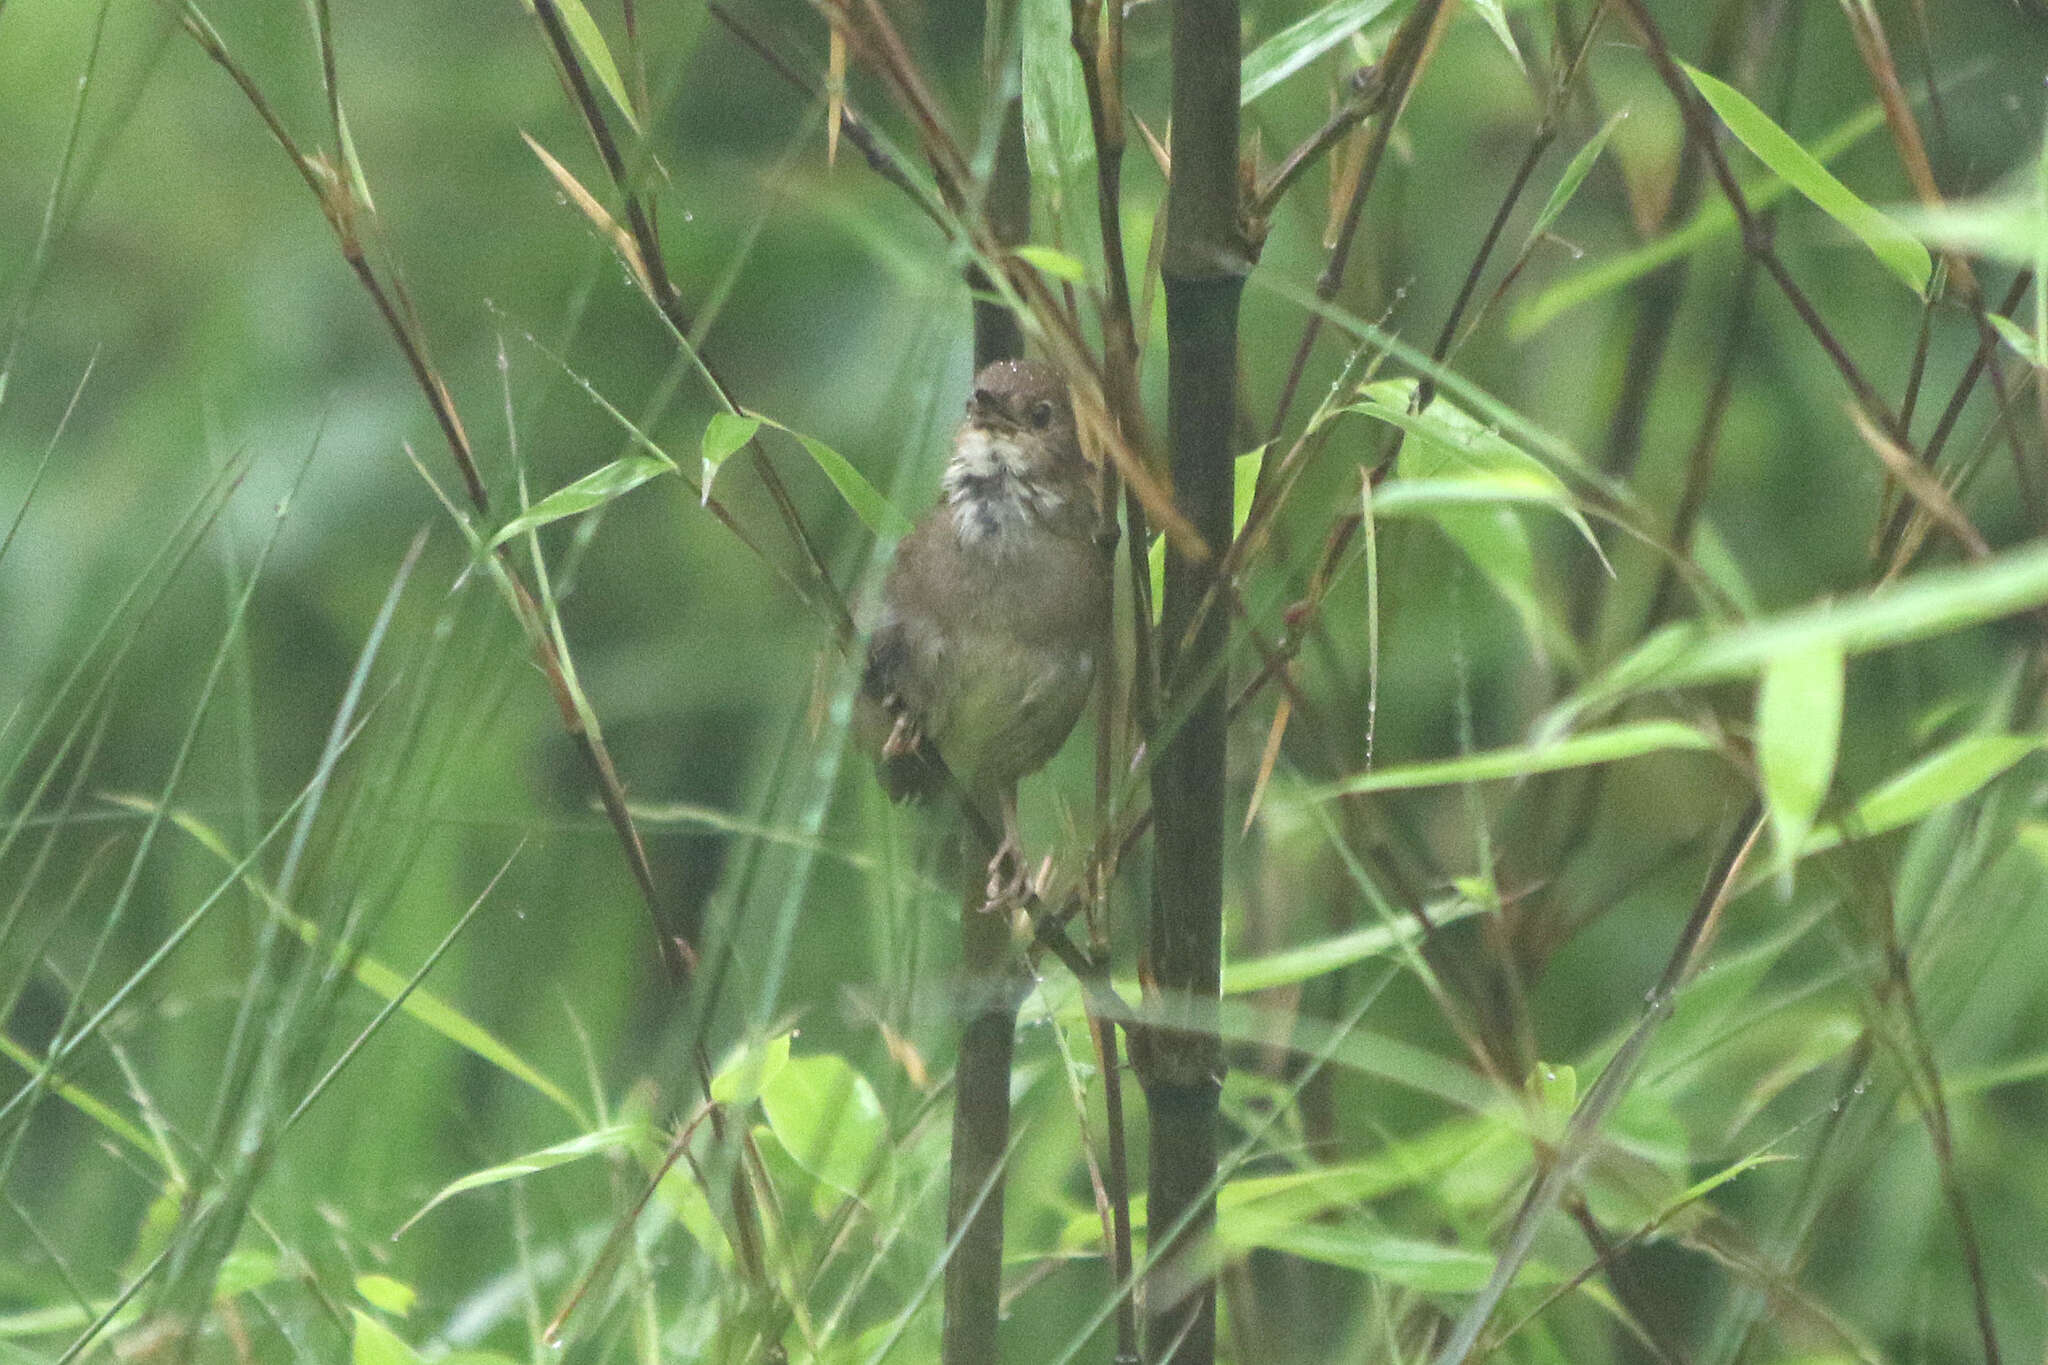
995 491
1011 471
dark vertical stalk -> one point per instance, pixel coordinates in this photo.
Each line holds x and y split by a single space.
991 989
1203 270
997 335
981 1125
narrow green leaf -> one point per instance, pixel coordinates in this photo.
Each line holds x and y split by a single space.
357 184
1632 740
1355 1244
1260 1200
1245 482
589 41
1420 497
395 1297
376 1344
1445 441
1712 221
616 1137
1052 261
1300 43
1555 1088
243 1271
1498 544
81 1099
1575 172
1947 775
1798 728
1925 605
874 510
2005 227
827 1117
1290 965
1059 137
2016 337
594 489
1887 240
422 1005
1496 19
723 434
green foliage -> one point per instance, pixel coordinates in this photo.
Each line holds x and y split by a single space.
317 926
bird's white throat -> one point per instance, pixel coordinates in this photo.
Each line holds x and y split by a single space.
990 486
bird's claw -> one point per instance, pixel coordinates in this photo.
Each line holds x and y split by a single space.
904 737
1008 883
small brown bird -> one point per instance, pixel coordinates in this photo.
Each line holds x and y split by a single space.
992 614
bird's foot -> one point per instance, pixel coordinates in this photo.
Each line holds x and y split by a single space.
1009 885
904 737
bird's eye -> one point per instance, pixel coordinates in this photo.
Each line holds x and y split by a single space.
980 401
1041 414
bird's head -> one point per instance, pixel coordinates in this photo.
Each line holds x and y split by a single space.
1017 458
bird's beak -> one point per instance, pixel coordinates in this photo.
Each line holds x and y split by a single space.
985 409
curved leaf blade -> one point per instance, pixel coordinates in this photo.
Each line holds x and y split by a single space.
1300 43
1611 745
594 489
1799 727
1896 248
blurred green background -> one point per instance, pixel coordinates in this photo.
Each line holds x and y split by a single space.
177 314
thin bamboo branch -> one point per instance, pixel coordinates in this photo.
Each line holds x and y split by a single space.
1096 35
663 294
1406 55
852 126
1755 230
330 186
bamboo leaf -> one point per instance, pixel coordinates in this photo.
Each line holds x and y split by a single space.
1945 776
1358 1245
594 489
1291 965
874 510
1925 605
1575 172
2016 337
1496 19
1300 43
590 44
750 1068
1713 221
1798 728
616 1137
1632 740
828 1118
1777 149
2005 227
1059 137
723 434
1266 1199
376 1344
1054 262
1928 604
599 216
81 1099
1445 441
395 1297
